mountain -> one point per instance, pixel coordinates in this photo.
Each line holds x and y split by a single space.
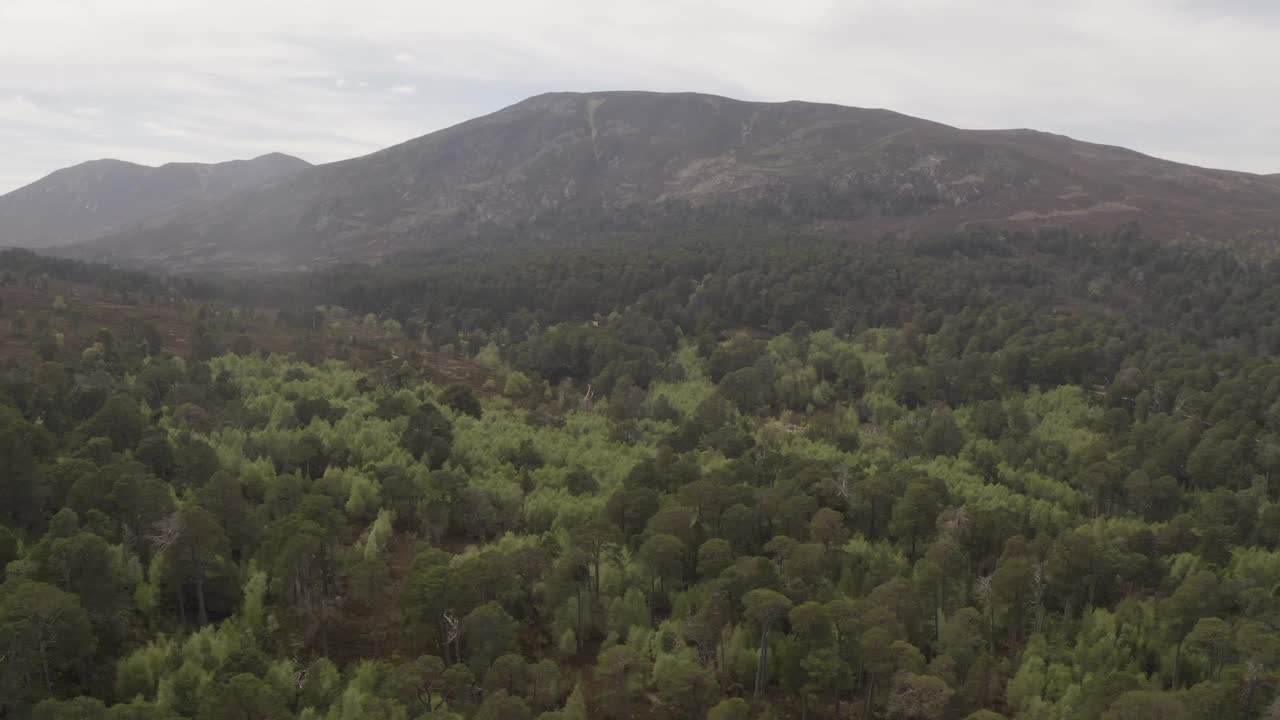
562 158
102 197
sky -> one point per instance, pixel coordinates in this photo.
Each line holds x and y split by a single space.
155 81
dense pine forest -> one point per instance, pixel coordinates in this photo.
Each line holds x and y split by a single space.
745 475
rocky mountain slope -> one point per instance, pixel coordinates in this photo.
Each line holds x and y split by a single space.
103 197
567 158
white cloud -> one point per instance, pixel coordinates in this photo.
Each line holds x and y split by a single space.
158 128
1189 80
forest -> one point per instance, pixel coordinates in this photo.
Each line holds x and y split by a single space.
733 475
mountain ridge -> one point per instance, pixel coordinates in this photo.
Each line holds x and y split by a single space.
99 197
601 155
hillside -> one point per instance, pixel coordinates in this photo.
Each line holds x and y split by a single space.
567 158
52 307
101 197
985 477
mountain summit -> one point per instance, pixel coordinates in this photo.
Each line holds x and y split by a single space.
574 157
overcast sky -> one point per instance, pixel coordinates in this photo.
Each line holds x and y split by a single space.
155 81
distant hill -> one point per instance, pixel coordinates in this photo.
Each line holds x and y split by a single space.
565 159
102 197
